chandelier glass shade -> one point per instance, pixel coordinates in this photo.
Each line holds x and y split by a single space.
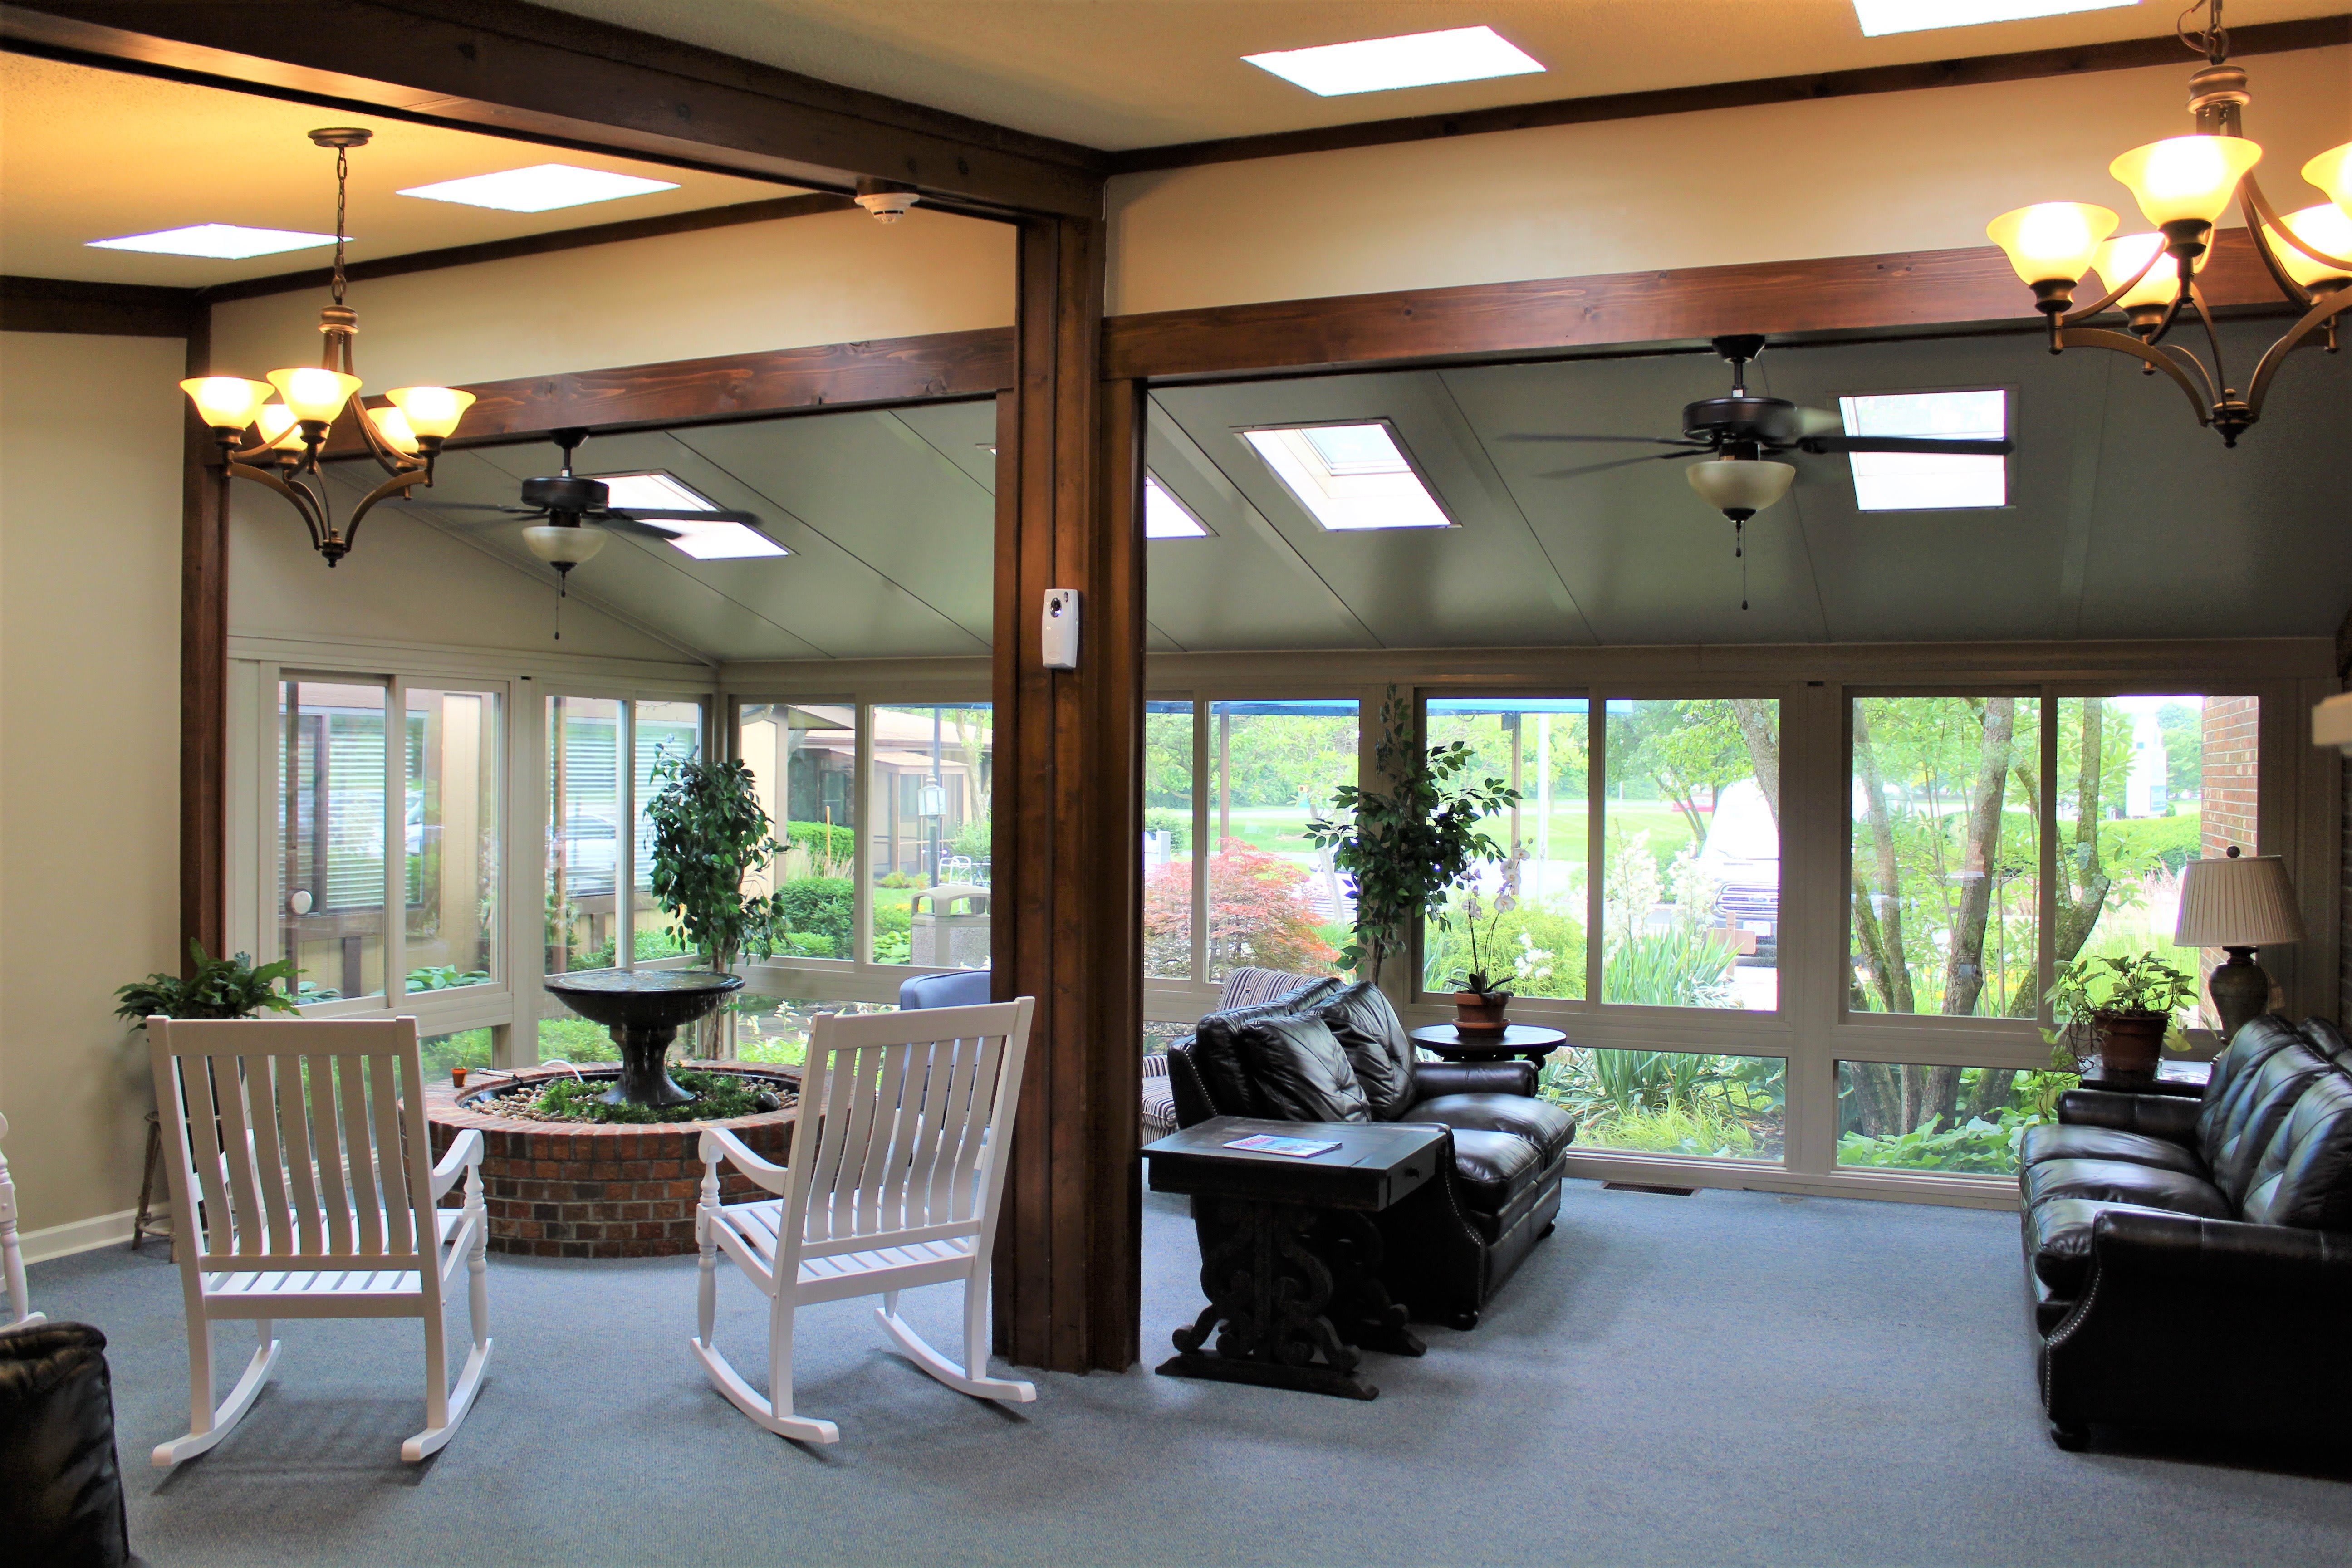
2183 185
273 432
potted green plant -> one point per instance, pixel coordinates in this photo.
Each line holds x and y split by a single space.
710 834
212 988
1479 1004
2119 1009
1401 849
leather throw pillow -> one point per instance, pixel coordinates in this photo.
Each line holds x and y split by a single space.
1217 1058
1378 1048
1299 1071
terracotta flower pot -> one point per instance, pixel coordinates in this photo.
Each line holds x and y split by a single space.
2131 1043
1477 1013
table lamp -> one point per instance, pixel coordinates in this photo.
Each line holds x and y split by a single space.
2237 904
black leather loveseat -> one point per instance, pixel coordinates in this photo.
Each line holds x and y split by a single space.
2189 1262
1318 1051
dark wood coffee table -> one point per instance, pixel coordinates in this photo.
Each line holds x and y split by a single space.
1290 1258
1530 1042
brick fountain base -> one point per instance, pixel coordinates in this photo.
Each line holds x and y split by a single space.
583 1189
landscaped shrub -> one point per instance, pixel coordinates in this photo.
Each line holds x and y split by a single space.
829 844
894 932
1678 967
1542 947
652 942
820 907
1177 825
1256 917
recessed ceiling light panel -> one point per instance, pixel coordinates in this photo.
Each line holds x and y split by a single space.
1881 17
542 187
220 241
715 541
721 540
1383 65
1165 517
1928 481
658 491
1350 477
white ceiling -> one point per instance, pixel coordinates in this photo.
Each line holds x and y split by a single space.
94 155
2126 520
1137 73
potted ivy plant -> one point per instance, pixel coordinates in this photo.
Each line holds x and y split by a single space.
212 988
1479 1004
2119 1009
1401 848
710 834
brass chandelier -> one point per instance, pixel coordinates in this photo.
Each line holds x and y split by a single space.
291 433
2183 185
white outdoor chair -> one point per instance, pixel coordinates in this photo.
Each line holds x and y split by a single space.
311 1165
896 1173
12 1261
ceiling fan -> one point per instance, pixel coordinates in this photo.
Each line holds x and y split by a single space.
1737 436
579 512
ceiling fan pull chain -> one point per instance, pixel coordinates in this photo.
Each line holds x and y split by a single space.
1740 553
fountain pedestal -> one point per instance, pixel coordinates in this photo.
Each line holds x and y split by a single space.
644 1008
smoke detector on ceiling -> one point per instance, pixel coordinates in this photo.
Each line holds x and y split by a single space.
887 203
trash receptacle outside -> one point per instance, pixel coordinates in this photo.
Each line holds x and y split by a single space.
948 927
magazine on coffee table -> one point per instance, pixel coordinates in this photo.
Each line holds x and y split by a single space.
1267 1143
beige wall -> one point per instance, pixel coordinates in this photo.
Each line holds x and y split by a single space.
838 278
1851 177
90 751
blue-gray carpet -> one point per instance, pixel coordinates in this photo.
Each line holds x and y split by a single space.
1730 1377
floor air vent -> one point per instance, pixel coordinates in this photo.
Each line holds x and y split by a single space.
1646 1187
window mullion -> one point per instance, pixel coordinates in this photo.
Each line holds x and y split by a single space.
395 840
1596 802
624 838
1200 836
861 855
2046 938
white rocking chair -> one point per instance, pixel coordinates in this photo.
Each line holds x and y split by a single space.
896 1173
311 1164
12 1261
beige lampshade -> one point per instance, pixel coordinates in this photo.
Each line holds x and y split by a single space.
2324 228
2186 177
2052 242
2332 173
2246 902
2121 259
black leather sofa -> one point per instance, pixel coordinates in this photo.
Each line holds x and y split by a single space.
60 1489
1325 1052
2189 1262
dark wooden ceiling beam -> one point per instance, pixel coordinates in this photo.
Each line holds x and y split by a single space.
516 70
106 309
1897 293
2268 37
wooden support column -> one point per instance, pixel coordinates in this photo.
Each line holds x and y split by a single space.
204 671
1069 815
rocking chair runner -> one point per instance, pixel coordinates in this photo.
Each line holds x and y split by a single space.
896 1175
310 1166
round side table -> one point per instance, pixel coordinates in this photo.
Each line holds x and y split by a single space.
1518 1042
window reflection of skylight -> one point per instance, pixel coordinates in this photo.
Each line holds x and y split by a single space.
1880 17
717 540
1349 476
1928 481
1165 517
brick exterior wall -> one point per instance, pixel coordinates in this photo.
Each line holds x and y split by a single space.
563 1189
2227 801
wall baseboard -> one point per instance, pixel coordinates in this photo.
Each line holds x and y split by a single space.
83 1235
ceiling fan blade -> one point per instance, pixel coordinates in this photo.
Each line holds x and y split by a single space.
1947 447
682 515
1813 422
1613 463
623 522
1642 440
420 502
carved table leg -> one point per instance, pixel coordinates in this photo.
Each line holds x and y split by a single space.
1352 1247
1270 1295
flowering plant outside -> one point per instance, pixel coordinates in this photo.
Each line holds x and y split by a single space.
1255 916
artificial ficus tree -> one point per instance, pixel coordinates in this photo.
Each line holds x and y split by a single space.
710 834
1401 849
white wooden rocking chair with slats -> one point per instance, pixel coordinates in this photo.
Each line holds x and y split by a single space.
896 1175
304 1141
19 1306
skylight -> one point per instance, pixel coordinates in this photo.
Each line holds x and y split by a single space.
1165 517
1926 481
220 241
542 187
719 540
1880 17
1383 65
1349 476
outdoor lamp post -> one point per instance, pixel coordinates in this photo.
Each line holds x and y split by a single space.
2237 904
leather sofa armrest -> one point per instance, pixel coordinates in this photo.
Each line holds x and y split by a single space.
2164 1116
1431 1079
2255 1262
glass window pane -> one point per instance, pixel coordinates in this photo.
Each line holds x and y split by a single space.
1691 875
1538 746
805 760
665 731
776 1028
331 766
1276 901
1945 819
1668 1103
466 1048
584 781
1168 852
1966 1120
455 764
928 832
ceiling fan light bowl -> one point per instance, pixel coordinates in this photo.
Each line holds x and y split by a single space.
2052 242
1742 485
563 546
2184 179
315 395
